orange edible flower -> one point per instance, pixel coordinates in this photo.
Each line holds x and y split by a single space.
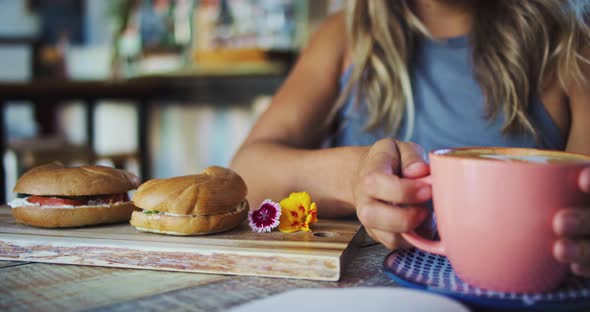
297 213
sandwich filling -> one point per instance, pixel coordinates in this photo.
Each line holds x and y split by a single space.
237 207
159 213
104 200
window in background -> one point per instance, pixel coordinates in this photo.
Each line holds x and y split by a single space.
19 26
188 138
18 29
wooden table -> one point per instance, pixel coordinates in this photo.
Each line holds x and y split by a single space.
52 287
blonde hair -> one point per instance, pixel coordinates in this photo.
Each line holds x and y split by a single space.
517 46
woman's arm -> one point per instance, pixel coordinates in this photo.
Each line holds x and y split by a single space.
578 140
281 153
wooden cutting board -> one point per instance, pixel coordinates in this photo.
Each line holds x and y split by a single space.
317 256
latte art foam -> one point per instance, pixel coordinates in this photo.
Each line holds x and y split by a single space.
528 158
518 155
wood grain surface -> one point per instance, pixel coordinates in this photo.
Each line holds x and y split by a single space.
316 256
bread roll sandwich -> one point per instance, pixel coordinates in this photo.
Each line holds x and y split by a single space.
58 196
210 202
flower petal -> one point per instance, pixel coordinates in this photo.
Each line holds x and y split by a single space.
312 216
266 217
303 198
290 204
289 227
297 213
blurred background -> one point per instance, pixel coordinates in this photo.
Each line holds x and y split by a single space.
158 87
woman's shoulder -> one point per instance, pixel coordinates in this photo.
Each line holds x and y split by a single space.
335 25
328 41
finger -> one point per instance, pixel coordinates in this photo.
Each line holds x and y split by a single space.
572 222
391 188
390 240
568 251
412 160
386 217
580 269
584 180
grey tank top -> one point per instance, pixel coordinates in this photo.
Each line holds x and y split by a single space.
449 107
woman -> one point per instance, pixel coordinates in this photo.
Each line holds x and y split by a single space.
430 74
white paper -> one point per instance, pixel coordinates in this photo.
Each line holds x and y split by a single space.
362 299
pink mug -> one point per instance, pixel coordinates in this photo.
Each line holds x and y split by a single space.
494 209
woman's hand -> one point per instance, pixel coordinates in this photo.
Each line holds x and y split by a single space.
573 226
387 197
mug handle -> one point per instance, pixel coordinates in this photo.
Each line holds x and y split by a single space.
435 247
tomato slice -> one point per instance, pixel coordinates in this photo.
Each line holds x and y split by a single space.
56 201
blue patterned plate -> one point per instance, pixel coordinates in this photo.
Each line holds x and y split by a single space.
415 268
